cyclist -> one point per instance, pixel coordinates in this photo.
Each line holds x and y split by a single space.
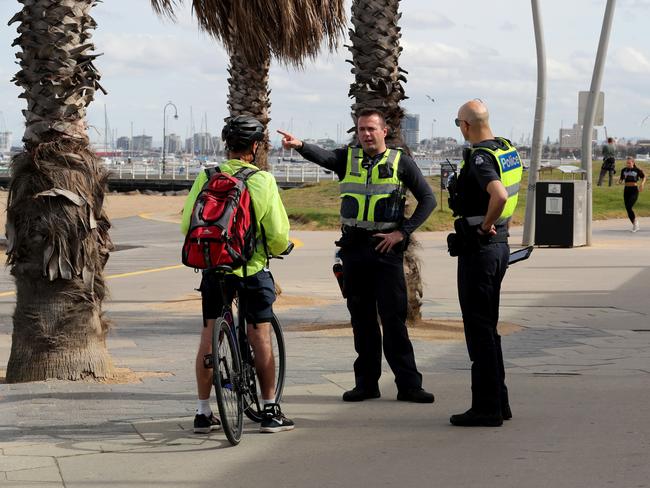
243 135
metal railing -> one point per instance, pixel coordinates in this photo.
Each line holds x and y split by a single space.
284 172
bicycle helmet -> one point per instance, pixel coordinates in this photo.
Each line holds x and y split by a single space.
240 132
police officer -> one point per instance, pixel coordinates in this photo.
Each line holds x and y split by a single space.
485 197
373 180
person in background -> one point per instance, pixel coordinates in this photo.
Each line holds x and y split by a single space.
609 161
634 179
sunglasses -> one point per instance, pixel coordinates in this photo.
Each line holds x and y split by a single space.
458 121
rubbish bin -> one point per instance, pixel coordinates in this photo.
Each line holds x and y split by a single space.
560 208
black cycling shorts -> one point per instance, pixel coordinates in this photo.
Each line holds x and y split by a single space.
258 290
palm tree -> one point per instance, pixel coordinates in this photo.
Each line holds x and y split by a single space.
248 93
57 230
255 31
378 84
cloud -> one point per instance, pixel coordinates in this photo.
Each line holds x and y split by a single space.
636 4
149 55
562 71
425 20
433 54
508 26
631 60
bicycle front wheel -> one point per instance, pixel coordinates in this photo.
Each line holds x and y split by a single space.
226 377
252 407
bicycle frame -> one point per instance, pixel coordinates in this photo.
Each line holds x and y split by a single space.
245 384
232 360
238 327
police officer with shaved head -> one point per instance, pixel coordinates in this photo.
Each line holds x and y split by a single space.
484 198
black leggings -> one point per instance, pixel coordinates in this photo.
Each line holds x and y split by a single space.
630 195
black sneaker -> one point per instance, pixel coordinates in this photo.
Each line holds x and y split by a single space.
273 420
472 418
203 424
360 394
415 395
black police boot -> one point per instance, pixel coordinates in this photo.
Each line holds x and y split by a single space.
360 394
415 395
506 413
472 418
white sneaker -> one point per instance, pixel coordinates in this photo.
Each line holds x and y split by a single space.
635 226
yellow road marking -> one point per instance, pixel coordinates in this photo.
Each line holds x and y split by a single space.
296 242
120 275
149 216
145 271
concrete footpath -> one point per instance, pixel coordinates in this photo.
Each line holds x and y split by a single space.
578 372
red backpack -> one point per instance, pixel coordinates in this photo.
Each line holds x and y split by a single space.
222 225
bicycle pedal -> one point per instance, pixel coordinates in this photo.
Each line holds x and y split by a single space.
208 361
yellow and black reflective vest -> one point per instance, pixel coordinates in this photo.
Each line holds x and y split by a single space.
372 200
510 172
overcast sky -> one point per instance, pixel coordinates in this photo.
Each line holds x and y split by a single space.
453 51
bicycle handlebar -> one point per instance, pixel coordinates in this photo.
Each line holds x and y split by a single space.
286 252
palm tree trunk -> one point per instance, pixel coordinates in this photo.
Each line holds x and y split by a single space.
378 84
249 95
57 230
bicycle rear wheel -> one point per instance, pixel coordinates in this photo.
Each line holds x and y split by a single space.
252 407
226 377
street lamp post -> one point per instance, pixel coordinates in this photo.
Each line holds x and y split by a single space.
169 104
538 129
590 112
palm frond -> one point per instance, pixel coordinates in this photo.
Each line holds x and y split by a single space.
291 30
165 7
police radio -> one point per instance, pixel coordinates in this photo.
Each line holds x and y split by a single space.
452 188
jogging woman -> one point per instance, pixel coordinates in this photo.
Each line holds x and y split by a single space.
634 179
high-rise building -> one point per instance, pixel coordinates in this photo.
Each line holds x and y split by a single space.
173 143
123 143
411 130
203 143
5 142
571 139
216 144
142 143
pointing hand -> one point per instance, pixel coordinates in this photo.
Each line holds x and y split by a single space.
289 141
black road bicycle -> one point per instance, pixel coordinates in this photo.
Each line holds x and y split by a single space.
233 364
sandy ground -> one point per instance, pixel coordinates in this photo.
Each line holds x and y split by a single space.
170 208
120 205
427 330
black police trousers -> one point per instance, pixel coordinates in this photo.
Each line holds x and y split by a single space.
480 274
376 286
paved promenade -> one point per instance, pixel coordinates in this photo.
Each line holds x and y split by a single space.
578 371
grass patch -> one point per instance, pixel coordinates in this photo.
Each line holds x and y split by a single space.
316 207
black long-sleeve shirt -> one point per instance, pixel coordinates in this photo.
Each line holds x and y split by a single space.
408 173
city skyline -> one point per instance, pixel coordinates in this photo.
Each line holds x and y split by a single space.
450 56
